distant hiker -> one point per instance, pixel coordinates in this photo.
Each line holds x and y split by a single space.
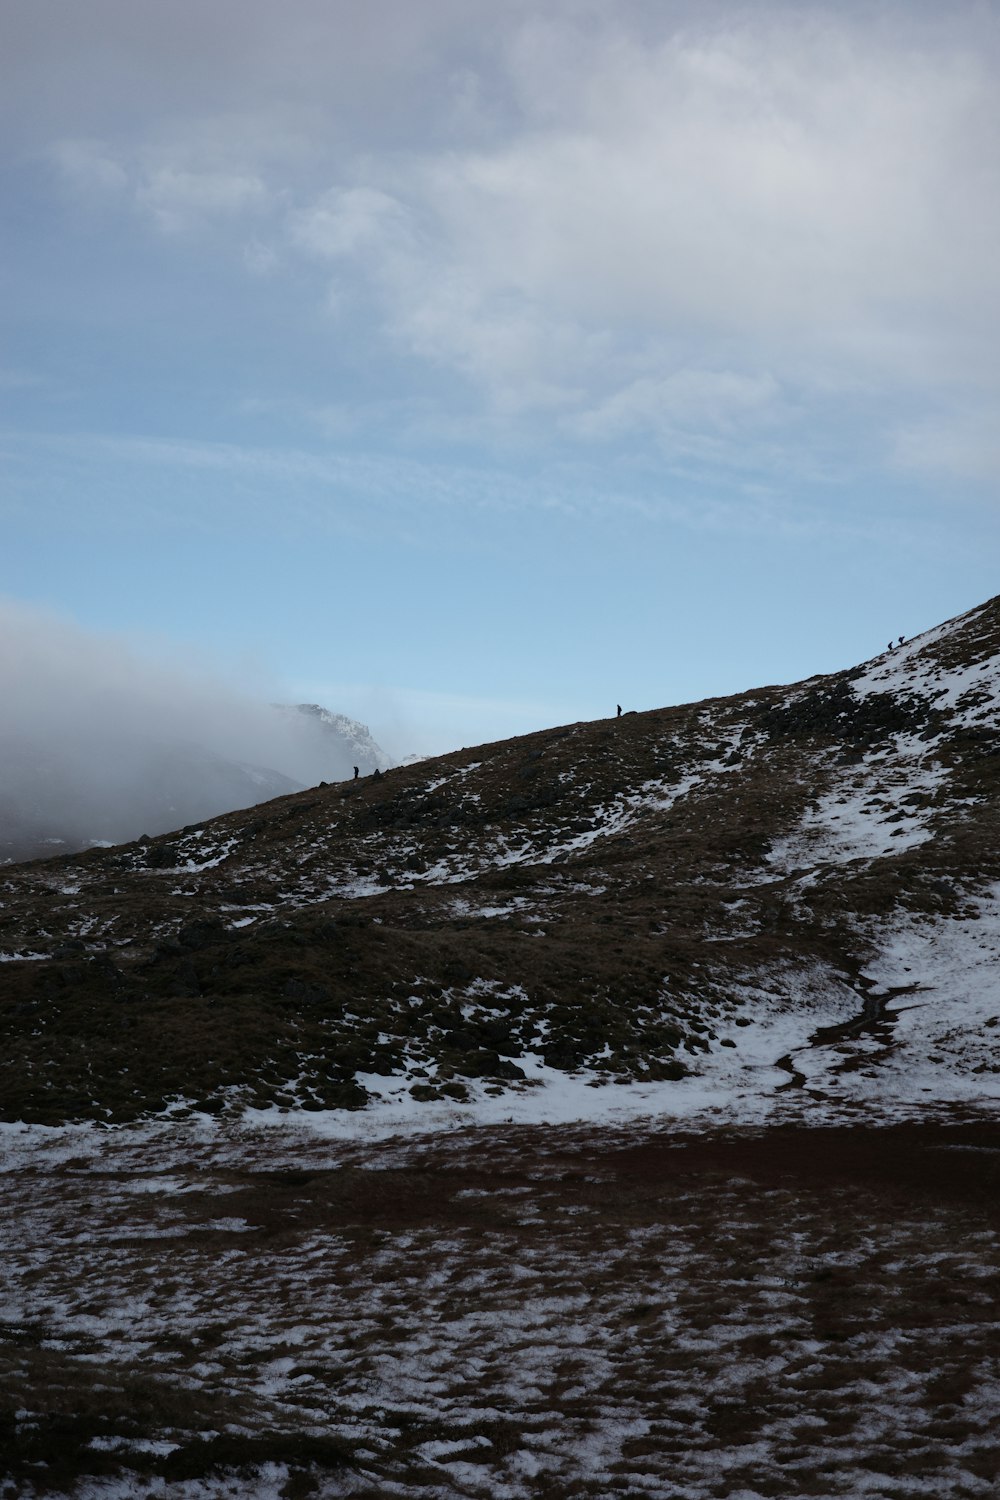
619 708
357 773
377 774
889 647
902 638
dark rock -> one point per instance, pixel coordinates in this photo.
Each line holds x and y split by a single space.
508 1071
562 1055
457 971
304 994
201 933
162 857
233 895
459 1041
832 709
346 1095
182 980
480 1063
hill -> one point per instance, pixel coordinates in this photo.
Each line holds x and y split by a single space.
788 895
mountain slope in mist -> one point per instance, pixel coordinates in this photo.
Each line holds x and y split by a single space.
100 743
334 742
105 784
52 799
784 900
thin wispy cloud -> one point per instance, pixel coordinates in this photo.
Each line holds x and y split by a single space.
290 491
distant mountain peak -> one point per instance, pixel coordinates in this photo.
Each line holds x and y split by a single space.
344 737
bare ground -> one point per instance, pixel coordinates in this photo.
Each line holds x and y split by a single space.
522 1312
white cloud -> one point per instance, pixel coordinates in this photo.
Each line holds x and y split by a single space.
963 445
178 200
428 721
89 168
348 222
627 220
806 195
259 258
718 400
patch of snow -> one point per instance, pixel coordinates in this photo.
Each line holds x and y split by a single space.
866 814
946 1036
451 777
967 693
218 852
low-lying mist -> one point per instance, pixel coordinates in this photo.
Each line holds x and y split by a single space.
100 741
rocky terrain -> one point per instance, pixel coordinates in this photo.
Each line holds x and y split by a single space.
610 1111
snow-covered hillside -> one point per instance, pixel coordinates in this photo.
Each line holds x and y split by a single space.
785 901
611 1111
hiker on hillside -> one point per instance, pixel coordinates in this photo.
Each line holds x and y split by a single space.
902 638
357 773
619 708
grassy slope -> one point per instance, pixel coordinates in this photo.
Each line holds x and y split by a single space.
599 894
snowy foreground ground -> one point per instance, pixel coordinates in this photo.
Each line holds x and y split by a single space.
575 1276
686 1310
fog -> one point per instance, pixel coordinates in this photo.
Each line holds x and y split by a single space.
103 740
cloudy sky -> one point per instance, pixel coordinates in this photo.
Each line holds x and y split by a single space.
472 367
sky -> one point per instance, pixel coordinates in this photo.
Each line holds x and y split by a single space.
469 368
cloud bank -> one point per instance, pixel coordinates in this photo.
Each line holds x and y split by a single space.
683 225
102 742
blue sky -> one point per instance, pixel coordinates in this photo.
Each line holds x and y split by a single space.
470 368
